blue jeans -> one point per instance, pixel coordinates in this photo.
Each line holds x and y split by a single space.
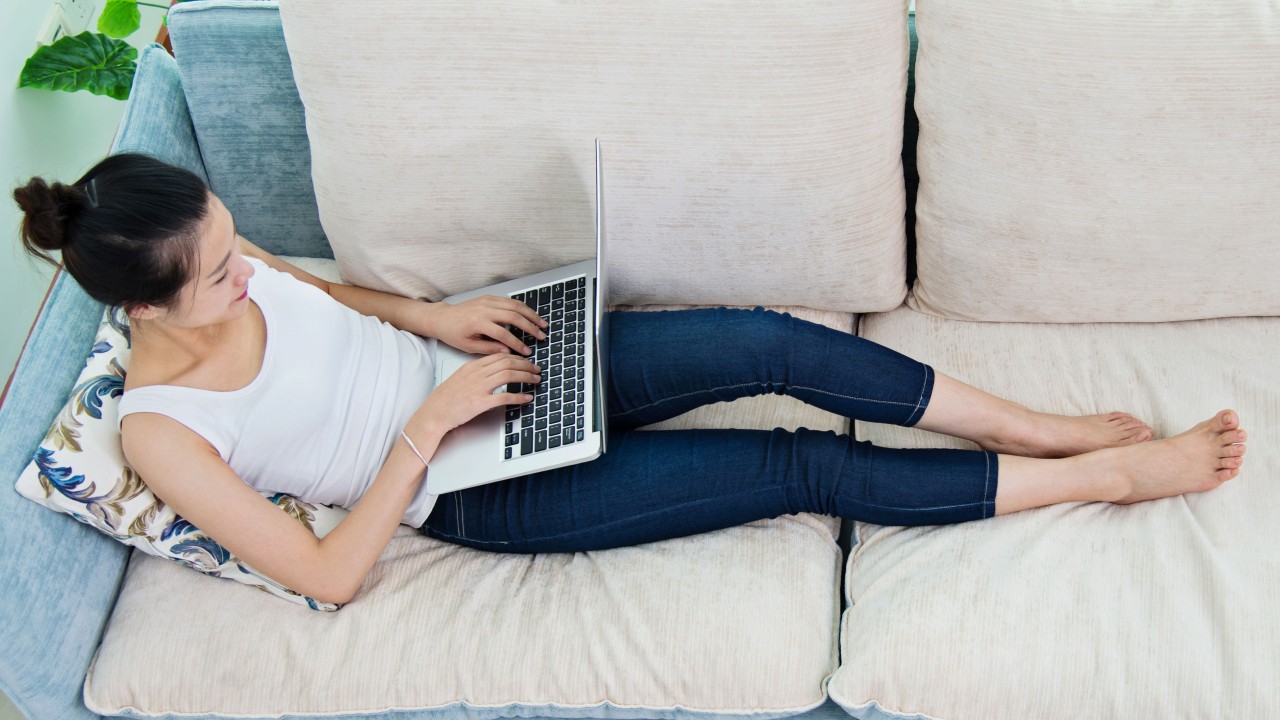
654 485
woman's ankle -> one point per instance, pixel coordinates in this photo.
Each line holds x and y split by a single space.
1026 483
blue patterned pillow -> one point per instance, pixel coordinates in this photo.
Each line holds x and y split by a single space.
79 469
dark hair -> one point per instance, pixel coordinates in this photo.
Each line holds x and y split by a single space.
128 230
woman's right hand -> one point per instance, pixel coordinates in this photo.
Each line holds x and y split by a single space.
469 391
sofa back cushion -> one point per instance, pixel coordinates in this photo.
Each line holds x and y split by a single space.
248 121
751 152
1098 161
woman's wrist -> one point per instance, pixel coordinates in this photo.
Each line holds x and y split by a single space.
413 447
422 434
424 319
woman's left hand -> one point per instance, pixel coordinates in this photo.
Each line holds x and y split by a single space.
480 325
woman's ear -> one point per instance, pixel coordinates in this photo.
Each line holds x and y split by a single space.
141 312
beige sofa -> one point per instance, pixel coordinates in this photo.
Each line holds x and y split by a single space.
1094 230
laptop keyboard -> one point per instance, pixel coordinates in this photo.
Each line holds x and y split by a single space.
556 417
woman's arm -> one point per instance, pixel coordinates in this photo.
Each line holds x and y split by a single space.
187 473
477 325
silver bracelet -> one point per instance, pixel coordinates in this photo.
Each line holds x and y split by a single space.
413 447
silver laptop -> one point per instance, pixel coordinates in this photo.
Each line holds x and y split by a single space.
566 422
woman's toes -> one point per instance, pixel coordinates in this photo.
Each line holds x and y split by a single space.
1232 450
1227 420
1233 436
1225 475
1230 462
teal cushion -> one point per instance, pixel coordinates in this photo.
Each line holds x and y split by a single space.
249 121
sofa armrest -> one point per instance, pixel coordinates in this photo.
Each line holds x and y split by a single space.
60 578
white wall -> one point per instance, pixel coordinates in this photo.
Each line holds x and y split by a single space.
57 135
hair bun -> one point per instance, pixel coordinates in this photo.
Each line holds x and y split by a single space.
46 209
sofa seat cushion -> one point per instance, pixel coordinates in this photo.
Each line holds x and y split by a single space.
738 621
451 145
1163 608
1076 169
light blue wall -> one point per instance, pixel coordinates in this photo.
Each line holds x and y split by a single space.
55 134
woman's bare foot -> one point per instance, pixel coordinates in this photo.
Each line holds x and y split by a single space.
1199 459
1043 435
1005 427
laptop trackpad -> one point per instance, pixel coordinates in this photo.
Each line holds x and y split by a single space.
450 365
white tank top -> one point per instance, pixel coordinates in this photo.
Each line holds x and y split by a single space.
335 390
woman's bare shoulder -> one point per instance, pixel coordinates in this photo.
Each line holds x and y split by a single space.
142 433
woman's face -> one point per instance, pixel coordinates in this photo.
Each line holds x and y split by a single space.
218 292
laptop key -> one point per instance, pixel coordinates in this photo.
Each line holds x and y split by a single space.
539 440
568 435
544 294
541 424
554 442
526 421
526 441
512 439
506 453
580 436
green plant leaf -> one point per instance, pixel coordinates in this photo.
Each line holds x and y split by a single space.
88 61
120 18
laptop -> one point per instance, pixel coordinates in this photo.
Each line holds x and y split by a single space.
567 421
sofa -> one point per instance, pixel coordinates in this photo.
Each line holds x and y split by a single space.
1091 228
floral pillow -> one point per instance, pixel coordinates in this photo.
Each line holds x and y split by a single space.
79 469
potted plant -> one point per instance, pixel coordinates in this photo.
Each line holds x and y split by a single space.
99 62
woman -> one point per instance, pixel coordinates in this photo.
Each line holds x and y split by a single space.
249 374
